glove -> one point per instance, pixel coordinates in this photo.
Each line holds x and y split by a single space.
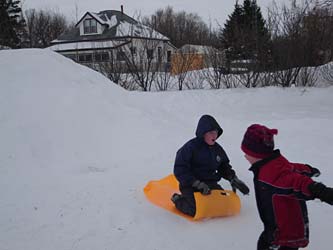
321 192
314 171
202 187
226 172
240 185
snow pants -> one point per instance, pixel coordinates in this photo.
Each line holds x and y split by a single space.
263 244
186 203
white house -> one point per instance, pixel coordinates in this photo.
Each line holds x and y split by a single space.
113 36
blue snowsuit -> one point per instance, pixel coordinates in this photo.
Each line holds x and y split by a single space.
196 160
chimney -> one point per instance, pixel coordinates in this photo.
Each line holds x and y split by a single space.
122 9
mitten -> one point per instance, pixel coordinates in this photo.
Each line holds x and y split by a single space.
314 171
201 186
240 185
320 191
226 171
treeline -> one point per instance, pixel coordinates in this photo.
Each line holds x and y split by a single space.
292 36
31 28
282 48
182 27
297 35
44 26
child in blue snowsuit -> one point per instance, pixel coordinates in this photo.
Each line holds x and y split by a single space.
200 164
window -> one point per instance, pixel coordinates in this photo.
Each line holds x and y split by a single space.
105 56
133 51
159 53
90 26
150 53
101 57
82 58
169 56
71 56
98 57
89 57
85 58
121 56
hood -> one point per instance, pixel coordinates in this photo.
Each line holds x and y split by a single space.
207 123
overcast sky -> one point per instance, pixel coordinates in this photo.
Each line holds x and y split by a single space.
211 11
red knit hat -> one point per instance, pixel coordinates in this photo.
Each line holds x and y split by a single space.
258 141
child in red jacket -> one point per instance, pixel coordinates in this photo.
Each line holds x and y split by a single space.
281 189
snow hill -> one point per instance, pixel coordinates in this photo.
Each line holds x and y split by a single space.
76 151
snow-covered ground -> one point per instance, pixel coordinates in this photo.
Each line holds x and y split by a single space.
76 151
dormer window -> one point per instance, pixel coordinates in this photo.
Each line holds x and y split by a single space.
90 26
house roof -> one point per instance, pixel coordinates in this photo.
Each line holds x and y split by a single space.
97 45
105 16
193 48
117 25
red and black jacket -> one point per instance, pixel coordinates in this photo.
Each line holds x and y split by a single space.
281 189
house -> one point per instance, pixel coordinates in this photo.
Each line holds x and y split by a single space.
113 37
193 57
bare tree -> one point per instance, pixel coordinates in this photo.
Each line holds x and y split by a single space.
147 53
303 77
163 80
307 77
106 63
302 40
181 27
249 79
195 80
288 49
286 25
266 79
44 26
285 78
215 74
140 64
302 34
327 72
183 61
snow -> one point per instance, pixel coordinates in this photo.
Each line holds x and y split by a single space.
96 16
76 151
111 22
138 30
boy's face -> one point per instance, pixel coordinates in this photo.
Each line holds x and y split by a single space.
210 137
251 159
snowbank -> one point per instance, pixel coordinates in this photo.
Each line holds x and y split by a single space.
76 151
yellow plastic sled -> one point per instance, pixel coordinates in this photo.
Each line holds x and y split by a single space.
219 203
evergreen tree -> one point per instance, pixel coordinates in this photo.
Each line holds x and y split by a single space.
245 34
228 36
257 35
11 23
